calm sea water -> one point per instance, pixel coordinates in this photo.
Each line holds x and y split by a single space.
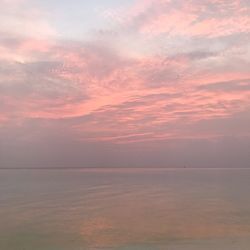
125 209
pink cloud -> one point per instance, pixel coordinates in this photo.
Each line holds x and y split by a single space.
124 99
173 23
108 96
191 18
3 119
35 45
219 27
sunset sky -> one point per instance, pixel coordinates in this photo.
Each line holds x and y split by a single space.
124 83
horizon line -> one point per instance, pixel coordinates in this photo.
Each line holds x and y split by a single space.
79 168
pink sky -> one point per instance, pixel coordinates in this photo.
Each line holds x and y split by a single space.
125 83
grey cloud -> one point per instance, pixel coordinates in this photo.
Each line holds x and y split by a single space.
234 85
198 55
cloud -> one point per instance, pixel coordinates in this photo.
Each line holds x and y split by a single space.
242 85
192 18
99 93
121 96
24 18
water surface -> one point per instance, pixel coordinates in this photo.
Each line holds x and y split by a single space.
125 209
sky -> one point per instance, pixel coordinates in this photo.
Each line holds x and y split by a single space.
124 83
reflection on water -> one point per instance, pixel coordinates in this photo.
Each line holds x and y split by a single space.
125 209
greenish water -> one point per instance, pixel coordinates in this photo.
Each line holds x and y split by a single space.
125 209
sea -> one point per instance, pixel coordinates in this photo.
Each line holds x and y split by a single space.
125 209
